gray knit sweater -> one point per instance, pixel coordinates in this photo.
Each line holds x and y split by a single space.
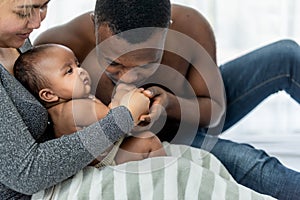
26 165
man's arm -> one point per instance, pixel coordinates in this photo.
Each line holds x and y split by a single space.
205 77
206 106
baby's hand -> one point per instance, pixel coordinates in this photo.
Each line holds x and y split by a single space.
137 103
119 92
133 98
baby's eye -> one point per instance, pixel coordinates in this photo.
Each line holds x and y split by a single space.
70 70
78 64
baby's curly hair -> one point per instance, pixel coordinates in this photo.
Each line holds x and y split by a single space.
124 15
25 70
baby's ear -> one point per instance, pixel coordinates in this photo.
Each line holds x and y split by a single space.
48 95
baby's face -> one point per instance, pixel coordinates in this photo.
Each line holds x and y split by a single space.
63 71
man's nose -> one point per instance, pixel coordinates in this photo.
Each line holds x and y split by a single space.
128 76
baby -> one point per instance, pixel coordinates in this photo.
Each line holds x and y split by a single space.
53 75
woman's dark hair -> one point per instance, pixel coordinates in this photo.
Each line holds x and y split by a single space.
124 15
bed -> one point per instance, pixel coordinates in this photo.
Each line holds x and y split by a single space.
186 173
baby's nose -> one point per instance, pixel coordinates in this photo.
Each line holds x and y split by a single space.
80 71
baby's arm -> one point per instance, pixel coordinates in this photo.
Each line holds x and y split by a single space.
86 111
137 103
139 147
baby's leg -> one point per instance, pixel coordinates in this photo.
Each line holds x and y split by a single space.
139 147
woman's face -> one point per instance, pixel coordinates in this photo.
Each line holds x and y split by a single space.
18 18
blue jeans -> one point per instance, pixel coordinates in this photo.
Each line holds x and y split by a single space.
248 81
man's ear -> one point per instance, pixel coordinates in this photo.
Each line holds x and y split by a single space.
92 16
48 95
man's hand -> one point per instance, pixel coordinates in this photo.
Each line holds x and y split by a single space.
160 101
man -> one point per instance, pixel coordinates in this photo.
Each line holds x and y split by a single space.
184 83
207 91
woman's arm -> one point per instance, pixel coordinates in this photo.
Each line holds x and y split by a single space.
27 166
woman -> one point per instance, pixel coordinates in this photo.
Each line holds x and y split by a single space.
28 162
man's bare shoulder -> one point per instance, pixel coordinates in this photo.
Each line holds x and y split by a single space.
180 14
77 34
186 19
79 26
192 23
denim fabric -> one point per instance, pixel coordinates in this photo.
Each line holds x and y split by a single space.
248 81
251 78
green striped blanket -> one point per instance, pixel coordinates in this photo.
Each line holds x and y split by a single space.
187 173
